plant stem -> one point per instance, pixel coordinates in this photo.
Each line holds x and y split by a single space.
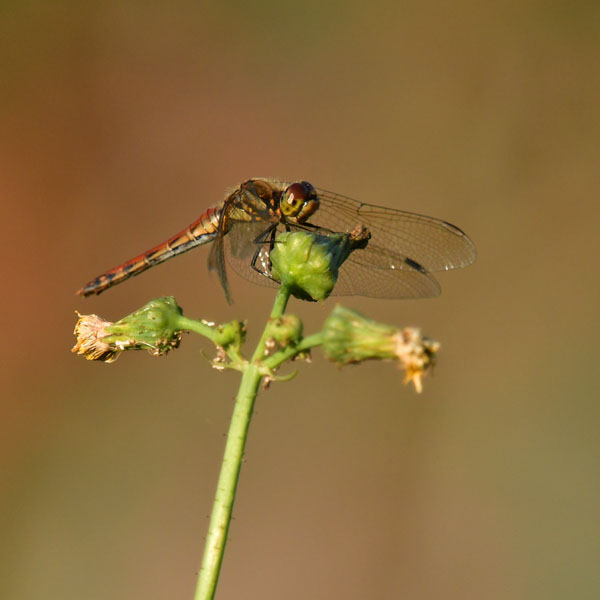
274 361
232 460
224 497
281 300
199 327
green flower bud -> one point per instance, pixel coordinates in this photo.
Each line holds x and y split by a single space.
286 329
350 337
283 331
308 263
230 334
153 327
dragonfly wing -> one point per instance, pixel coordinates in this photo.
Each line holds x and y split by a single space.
358 276
242 266
244 218
241 244
432 243
216 262
367 272
242 239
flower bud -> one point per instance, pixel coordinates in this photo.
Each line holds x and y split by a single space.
153 327
230 335
350 337
285 330
308 263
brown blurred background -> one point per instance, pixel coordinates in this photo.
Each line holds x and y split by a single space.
122 121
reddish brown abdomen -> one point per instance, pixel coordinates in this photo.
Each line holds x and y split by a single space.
201 231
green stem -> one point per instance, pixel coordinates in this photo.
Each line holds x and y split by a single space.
232 460
281 300
277 359
230 470
199 327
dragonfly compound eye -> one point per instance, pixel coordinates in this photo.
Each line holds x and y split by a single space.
299 201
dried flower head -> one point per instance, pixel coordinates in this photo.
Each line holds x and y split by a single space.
153 328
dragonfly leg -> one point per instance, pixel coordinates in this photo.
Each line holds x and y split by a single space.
316 228
261 240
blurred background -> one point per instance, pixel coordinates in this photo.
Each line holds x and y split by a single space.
122 121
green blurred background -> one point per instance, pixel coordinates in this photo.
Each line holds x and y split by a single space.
122 121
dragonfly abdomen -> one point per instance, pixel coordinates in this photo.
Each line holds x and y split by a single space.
201 231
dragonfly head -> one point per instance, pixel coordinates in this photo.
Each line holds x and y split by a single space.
299 201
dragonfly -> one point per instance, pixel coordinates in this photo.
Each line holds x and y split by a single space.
402 253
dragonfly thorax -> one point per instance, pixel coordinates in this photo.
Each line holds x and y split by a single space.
299 201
